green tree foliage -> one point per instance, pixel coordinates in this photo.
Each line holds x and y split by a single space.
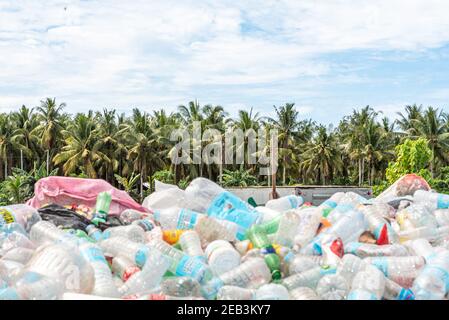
130 150
412 156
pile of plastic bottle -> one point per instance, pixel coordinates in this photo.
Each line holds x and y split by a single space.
206 243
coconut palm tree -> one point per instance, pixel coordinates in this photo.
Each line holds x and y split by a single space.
50 127
433 127
28 143
286 122
408 121
81 150
7 144
322 156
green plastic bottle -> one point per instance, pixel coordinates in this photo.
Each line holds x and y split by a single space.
102 207
256 234
271 226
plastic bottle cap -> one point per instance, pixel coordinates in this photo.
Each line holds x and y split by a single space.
276 275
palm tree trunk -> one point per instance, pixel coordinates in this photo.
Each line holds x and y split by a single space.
363 170
48 162
21 159
432 163
360 172
6 168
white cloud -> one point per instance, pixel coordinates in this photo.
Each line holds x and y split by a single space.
147 53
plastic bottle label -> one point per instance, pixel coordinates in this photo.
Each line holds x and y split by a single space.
227 206
443 201
293 202
6 217
343 208
352 247
381 264
329 203
444 274
191 267
94 254
184 222
361 295
141 256
406 294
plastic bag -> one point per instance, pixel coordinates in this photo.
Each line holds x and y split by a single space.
403 188
68 219
69 191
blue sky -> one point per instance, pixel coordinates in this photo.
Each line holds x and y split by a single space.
326 56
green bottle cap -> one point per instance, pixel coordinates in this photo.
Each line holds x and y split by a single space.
276 276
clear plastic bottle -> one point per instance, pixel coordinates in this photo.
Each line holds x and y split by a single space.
432 200
285 203
307 278
327 206
19 254
299 263
131 232
415 216
165 199
94 233
44 232
235 293
346 204
123 267
14 240
420 247
181 287
12 227
210 229
303 293
310 220
150 276
393 291
332 287
364 250
368 284
191 244
23 214
377 223
10 269
130 215
34 286
288 226
433 282
221 256
104 285
402 270
65 264
177 218
221 204
431 234
348 228
250 274
267 213
183 264
136 252
272 291
146 224
442 217
349 266
202 192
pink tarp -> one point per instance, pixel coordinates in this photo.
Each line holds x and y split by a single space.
68 191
